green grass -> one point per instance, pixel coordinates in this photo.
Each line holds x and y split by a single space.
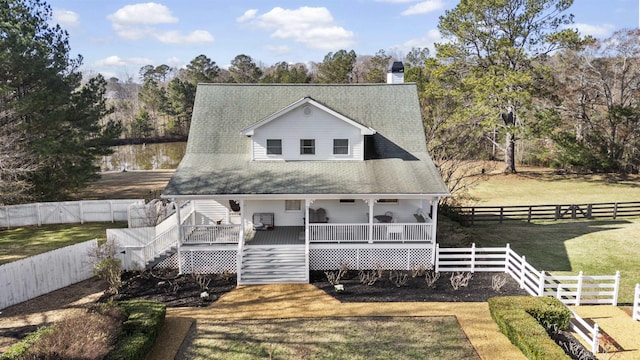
546 187
332 338
19 243
596 247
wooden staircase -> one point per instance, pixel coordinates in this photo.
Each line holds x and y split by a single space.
273 264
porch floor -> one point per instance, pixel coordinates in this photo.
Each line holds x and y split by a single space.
280 235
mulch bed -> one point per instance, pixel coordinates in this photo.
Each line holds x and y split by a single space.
184 291
479 288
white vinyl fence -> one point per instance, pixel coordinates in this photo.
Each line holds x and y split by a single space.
590 333
571 290
37 275
67 212
636 303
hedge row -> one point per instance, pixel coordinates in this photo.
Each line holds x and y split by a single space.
522 320
140 330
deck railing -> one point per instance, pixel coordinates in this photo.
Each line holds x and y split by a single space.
382 232
211 234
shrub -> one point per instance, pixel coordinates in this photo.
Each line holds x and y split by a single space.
87 336
140 330
18 350
521 319
106 265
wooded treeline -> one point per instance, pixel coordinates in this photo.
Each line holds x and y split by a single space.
512 80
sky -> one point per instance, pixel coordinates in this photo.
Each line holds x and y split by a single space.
118 37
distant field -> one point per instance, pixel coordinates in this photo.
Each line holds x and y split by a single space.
597 247
536 186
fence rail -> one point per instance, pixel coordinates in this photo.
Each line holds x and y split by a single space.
571 290
636 303
590 333
25 279
473 214
67 212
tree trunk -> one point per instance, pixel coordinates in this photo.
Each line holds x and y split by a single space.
510 154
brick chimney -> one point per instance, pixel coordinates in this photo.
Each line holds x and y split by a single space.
395 73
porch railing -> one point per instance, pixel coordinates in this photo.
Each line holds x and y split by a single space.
382 232
211 234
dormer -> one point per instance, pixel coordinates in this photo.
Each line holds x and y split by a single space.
307 131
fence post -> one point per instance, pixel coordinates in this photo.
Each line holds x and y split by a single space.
507 258
38 214
589 209
81 212
437 256
501 213
558 208
113 219
615 210
473 214
636 303
473 257
616 289
579 289
529 215
594 339
522 270
6 209
541 284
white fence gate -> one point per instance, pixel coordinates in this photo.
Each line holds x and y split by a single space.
27 278
67 212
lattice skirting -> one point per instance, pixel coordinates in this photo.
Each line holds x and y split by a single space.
370 259
208 261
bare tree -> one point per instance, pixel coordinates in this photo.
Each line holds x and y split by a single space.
16 164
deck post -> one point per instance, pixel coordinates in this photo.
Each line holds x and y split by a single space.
240 242
179 236
370 202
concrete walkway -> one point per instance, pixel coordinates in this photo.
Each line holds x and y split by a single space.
306 301
618 325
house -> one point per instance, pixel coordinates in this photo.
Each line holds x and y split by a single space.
280 179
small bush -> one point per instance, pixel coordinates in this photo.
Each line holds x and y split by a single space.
521 319
87 336
18 350
140 330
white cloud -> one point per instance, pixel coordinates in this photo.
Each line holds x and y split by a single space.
427 41
149 13
176 37
174 61
116 61
248 15
312 26
594 30
66 18
136 22
424 7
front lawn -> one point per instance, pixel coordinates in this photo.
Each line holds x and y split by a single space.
332 338
19 243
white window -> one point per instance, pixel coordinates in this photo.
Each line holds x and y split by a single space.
307 146
292 205
340 146
274 147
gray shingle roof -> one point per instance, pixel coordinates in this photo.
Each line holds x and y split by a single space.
218 156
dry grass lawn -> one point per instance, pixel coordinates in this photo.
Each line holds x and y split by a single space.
332 338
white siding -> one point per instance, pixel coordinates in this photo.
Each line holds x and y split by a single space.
210 211
318 125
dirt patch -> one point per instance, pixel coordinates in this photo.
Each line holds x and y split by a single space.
126 185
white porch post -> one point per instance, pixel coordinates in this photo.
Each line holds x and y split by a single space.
434 218
370 202
307 204
180 231
240 241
